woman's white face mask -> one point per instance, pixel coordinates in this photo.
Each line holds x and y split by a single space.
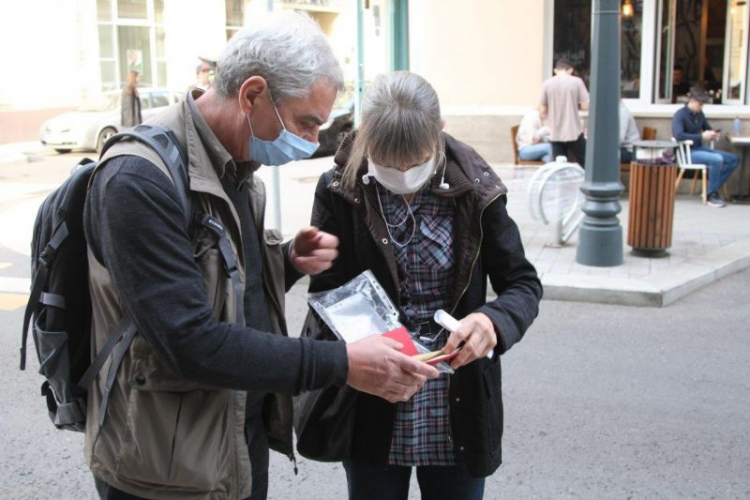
399 182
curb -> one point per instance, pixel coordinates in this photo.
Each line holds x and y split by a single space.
658 290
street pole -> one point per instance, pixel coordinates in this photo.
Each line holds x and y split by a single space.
275 172
601 233
359 82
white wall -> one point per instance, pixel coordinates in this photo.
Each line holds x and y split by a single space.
193 28
41 53
479 52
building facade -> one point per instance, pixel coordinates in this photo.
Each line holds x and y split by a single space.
486 58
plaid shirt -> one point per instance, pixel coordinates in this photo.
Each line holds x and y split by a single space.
421 432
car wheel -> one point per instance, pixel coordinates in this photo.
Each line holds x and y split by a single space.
62 151
104 136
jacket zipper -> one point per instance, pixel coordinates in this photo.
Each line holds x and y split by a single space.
458 301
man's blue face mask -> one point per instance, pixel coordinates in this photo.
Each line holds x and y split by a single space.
285 148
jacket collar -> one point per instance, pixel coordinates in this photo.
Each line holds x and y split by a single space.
218 156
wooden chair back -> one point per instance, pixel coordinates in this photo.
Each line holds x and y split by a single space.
649 134
513 134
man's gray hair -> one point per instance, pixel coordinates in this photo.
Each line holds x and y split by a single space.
400 123
289 50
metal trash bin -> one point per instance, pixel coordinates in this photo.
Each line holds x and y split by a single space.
653 173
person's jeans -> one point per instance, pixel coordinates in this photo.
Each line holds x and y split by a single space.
367 482
577 148
720 165
541 151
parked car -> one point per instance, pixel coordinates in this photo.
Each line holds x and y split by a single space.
332 132
98 119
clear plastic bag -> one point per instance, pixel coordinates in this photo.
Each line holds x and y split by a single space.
361 308
356 310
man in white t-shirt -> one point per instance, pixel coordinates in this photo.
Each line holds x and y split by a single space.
563 96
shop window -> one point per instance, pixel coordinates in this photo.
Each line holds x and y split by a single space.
703 44
235 16
135 53
104 10
131 38
159 11
132 9
737 48
572 40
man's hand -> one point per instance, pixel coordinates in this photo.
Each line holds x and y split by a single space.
710 135
478 333
313 251
377 367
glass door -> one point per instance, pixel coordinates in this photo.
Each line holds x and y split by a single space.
735 56
665 49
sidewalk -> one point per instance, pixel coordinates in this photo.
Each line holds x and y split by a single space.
708 243
23 151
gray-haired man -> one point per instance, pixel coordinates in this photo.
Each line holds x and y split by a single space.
197 385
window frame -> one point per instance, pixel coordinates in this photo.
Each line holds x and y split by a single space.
115 21
743 57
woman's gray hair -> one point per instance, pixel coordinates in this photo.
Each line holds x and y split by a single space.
289 50
400 123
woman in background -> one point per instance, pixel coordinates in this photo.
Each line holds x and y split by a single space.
532 139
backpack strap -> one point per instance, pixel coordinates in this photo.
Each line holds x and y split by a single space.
165 144
230 264
40 279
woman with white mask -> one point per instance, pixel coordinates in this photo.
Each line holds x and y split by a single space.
426 214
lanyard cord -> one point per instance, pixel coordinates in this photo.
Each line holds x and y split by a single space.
388 225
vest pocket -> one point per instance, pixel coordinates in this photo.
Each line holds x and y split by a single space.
178 439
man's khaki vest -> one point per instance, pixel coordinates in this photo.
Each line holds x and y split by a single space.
165 436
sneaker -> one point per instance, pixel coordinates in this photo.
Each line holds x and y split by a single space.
716 201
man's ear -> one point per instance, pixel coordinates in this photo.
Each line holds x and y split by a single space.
249 92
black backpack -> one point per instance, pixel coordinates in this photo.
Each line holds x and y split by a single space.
60 302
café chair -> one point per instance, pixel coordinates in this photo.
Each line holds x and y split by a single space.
685 162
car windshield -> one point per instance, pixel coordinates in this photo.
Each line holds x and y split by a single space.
103 102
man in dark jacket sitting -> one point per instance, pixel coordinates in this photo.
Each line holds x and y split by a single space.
689 123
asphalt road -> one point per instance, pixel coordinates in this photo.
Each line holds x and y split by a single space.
600 401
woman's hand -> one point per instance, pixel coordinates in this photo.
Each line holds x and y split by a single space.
479 337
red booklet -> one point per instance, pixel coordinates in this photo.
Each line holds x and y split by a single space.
402 335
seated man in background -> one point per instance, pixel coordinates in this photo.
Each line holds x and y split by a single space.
533 139
628 134
689 123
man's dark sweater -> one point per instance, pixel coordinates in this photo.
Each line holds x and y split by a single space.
688 125
135 227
